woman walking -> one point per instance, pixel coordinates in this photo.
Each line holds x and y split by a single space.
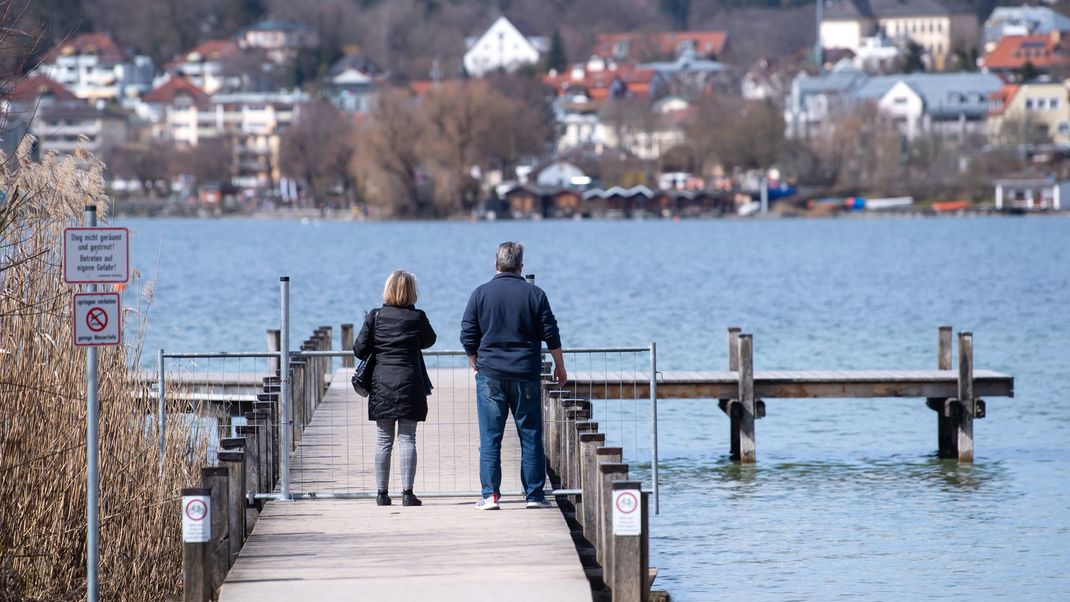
396 333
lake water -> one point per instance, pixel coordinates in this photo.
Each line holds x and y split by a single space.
846 500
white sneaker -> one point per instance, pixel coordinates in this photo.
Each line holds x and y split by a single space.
488 503
540 504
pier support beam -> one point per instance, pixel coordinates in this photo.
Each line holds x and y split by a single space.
745 429
607 473
967 406
347 345
589 442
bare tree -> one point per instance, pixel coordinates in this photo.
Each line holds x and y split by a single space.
318 149
388 158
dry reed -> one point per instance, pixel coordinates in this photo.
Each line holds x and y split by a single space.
43 413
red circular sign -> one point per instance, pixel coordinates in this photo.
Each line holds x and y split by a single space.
196 509
96 319
627 502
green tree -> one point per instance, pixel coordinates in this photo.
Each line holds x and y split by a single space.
556 58
1028 72
913 61
677 10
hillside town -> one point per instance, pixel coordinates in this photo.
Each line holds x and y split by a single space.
899 105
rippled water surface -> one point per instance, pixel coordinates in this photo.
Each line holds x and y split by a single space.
846 500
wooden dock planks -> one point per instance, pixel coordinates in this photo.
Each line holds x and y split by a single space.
351 549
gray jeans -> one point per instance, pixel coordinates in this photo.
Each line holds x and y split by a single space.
406 434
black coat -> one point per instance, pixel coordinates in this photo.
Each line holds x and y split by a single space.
399 381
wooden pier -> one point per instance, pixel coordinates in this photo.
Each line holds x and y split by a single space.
328 540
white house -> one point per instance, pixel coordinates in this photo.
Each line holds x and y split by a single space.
352 82
502 46
204 65
949 103
94 67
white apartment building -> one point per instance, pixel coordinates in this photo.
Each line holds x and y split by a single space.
94 67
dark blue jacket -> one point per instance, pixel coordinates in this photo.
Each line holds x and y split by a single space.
505 324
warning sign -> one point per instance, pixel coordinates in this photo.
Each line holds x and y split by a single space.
196 518
97 319
96 255
626 516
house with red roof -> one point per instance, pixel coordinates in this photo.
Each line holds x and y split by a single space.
96 68
652 46
1046 53
173 108
1037 112
205 64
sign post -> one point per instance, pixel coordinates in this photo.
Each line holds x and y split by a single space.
94 255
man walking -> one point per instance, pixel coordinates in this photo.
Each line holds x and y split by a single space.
504 326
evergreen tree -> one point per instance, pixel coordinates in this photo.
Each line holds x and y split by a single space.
677 10
555 56
913 62
1028 72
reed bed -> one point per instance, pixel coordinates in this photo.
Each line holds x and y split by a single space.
43 412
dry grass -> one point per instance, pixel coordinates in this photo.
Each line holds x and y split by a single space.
43 414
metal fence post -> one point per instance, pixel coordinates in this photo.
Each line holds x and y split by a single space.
284 392
92 444
654 421
161 409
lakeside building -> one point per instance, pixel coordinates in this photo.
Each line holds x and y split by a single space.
280 41
1025 113
947 103
941 28
503 46
63 127
1044 53
205 65
94 67
638 47
1022 21
1031 193
352 82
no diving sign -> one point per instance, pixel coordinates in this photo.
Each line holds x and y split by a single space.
196 518
98 319
627 519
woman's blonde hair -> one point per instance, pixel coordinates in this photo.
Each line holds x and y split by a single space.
400 289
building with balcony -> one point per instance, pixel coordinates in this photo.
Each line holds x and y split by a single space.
95 68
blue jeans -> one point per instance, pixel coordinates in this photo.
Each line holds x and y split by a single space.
495 398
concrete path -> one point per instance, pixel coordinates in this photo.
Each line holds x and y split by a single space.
351 549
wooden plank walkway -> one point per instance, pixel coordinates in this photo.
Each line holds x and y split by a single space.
788 384
351 549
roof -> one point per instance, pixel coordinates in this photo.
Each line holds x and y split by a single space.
837 10
687 63
278 25
98 43
597 83
943 93
664 43
1023 20
1001 99
31 88
211 50
358 62
1043 51
175 86
77 112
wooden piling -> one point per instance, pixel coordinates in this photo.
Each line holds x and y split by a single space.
253 468
196 565
588 501
628 578
747 444
347 345
602 454
967 403
945 434
216 478
297 384
732 409
235 463
607 473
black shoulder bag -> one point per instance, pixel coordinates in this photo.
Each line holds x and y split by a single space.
362 376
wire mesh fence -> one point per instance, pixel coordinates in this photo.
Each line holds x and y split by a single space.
334 443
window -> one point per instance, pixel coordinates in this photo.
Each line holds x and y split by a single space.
899 100
1053 103
1029 104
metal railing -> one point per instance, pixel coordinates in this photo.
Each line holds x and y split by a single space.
334 442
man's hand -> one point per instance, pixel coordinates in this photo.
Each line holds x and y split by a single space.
472 363
559 373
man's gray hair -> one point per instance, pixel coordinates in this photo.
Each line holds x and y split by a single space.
510 257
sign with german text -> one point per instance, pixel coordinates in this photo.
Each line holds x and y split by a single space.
96 255
626 515
98 319
196 518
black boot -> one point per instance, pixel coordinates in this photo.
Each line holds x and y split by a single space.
382 499
408 499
